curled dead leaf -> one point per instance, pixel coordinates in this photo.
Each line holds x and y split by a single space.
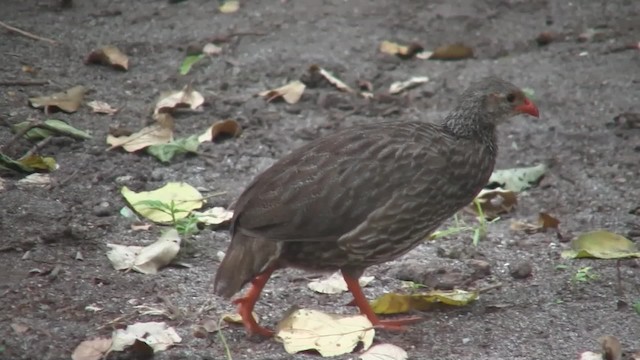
391 303
68 101
108 55
402 51
101 107
291 92
335 284
150 135
400 86
494 202
185 98
452 52
220 128
94 349
315 70
384 352
545 221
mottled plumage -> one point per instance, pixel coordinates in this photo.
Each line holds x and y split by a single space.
367 194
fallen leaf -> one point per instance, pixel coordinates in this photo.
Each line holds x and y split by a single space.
335 284
157 335
589 355
494 202
229 6
211 49
166 152
140 227
108 55
213 216
122 257
185 98
391 303
37 162
150 135
51 127
19 328
159 254
101 107
329 334
452 52
188 62
385 352
228 127
68 101
601 244
34 180
153 204
94 349
291 92
315 69
400 86
518 179
235 318
402 51
545 221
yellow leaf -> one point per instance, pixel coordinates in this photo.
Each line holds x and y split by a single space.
329 334
401 303
601 244
291 92
183 196
229 6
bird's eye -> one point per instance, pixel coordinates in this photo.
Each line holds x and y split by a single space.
511 97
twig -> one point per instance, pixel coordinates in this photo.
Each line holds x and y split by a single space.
27 34
19 135
42 143
23 83
489 288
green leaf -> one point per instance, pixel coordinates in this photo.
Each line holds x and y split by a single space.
601 244
166 152
518 179
636 307
188 62
181 198
54 127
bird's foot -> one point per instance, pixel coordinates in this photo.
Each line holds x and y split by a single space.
245 309
397 324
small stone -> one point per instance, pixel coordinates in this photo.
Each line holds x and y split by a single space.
103 209
480 268
521 270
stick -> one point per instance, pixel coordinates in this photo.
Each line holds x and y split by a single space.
23 83
27 34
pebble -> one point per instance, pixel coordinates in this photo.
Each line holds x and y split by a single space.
521 270
480 268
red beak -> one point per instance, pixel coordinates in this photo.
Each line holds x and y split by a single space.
528 108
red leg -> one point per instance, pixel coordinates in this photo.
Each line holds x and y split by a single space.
361 302
247 302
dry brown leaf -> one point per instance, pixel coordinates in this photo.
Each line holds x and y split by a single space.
140 227
159 254
452 52
157 335
223 127
102 107
108 55
335 284
545 221
150 135
229 6
68 101
384 352
400 86
235 318
214 216
403 51
495 202
315 69
19 328
94 349
291 92
211 49
185 98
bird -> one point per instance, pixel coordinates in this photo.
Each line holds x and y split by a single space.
363 196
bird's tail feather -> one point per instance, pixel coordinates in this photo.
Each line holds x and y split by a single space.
246 258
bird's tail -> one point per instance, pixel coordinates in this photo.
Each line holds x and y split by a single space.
246 258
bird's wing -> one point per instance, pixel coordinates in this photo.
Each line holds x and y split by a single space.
330 186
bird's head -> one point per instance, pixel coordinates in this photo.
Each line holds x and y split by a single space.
500 99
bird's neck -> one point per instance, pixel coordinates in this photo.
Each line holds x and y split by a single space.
471 125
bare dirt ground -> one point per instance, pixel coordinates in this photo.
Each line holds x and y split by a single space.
580 87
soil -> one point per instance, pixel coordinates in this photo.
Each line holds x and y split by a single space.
580 88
